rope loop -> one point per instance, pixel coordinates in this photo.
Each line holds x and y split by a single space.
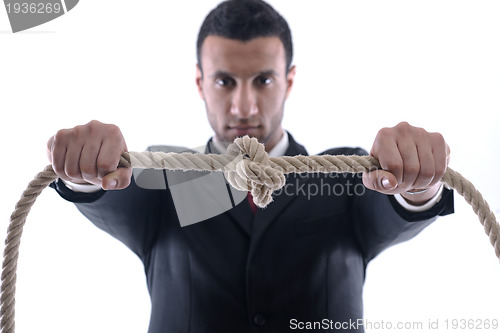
253 172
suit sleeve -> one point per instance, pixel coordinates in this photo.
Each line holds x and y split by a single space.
130 215
379 221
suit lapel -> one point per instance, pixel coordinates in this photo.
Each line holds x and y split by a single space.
242 215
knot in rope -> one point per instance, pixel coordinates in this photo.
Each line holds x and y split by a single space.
253 171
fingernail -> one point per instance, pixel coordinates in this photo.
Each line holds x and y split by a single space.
112 184
386 183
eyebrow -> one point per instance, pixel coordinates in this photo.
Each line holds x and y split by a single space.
268 72
220 73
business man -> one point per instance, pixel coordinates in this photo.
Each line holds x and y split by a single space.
299 263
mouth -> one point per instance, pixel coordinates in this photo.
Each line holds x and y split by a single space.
242 130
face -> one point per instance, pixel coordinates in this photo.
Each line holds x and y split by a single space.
244 86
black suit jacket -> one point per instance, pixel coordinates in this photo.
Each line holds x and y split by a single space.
301 259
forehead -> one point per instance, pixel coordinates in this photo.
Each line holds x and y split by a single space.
243 58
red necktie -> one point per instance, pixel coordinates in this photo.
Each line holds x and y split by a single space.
252 204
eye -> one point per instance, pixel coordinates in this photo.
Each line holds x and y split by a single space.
264 80
224 82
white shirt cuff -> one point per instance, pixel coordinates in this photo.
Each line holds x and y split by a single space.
82 188
413 208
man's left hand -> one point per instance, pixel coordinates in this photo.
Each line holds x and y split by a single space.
412 160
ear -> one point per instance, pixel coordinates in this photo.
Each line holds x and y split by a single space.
199 81
290 77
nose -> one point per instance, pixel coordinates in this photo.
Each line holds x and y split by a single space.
244 102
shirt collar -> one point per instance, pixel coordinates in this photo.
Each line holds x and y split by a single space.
281 146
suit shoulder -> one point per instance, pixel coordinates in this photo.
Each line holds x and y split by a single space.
345 151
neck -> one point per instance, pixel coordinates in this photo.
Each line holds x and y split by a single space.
272 140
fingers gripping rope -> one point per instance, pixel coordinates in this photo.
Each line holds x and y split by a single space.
247 167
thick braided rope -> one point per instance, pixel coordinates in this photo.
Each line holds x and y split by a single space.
247 167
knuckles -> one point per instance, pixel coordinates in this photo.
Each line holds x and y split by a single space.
411 170
403 127
105 167
91 134
88 170
62 136
58 169
92 129
95 127
393 165
389 140
72 172
427 172
437 138
384 134
405 130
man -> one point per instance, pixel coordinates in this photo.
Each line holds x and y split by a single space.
300 262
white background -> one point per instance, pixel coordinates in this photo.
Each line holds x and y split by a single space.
361 65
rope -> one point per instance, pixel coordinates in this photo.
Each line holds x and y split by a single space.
247 167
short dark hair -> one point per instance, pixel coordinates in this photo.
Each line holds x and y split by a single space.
245 20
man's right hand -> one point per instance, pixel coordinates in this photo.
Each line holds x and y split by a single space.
89 154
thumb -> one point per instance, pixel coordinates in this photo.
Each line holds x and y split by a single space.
380 181
117 180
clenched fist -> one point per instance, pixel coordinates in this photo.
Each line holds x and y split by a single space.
89 154
412 160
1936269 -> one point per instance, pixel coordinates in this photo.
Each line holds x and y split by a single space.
471 324
33 8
